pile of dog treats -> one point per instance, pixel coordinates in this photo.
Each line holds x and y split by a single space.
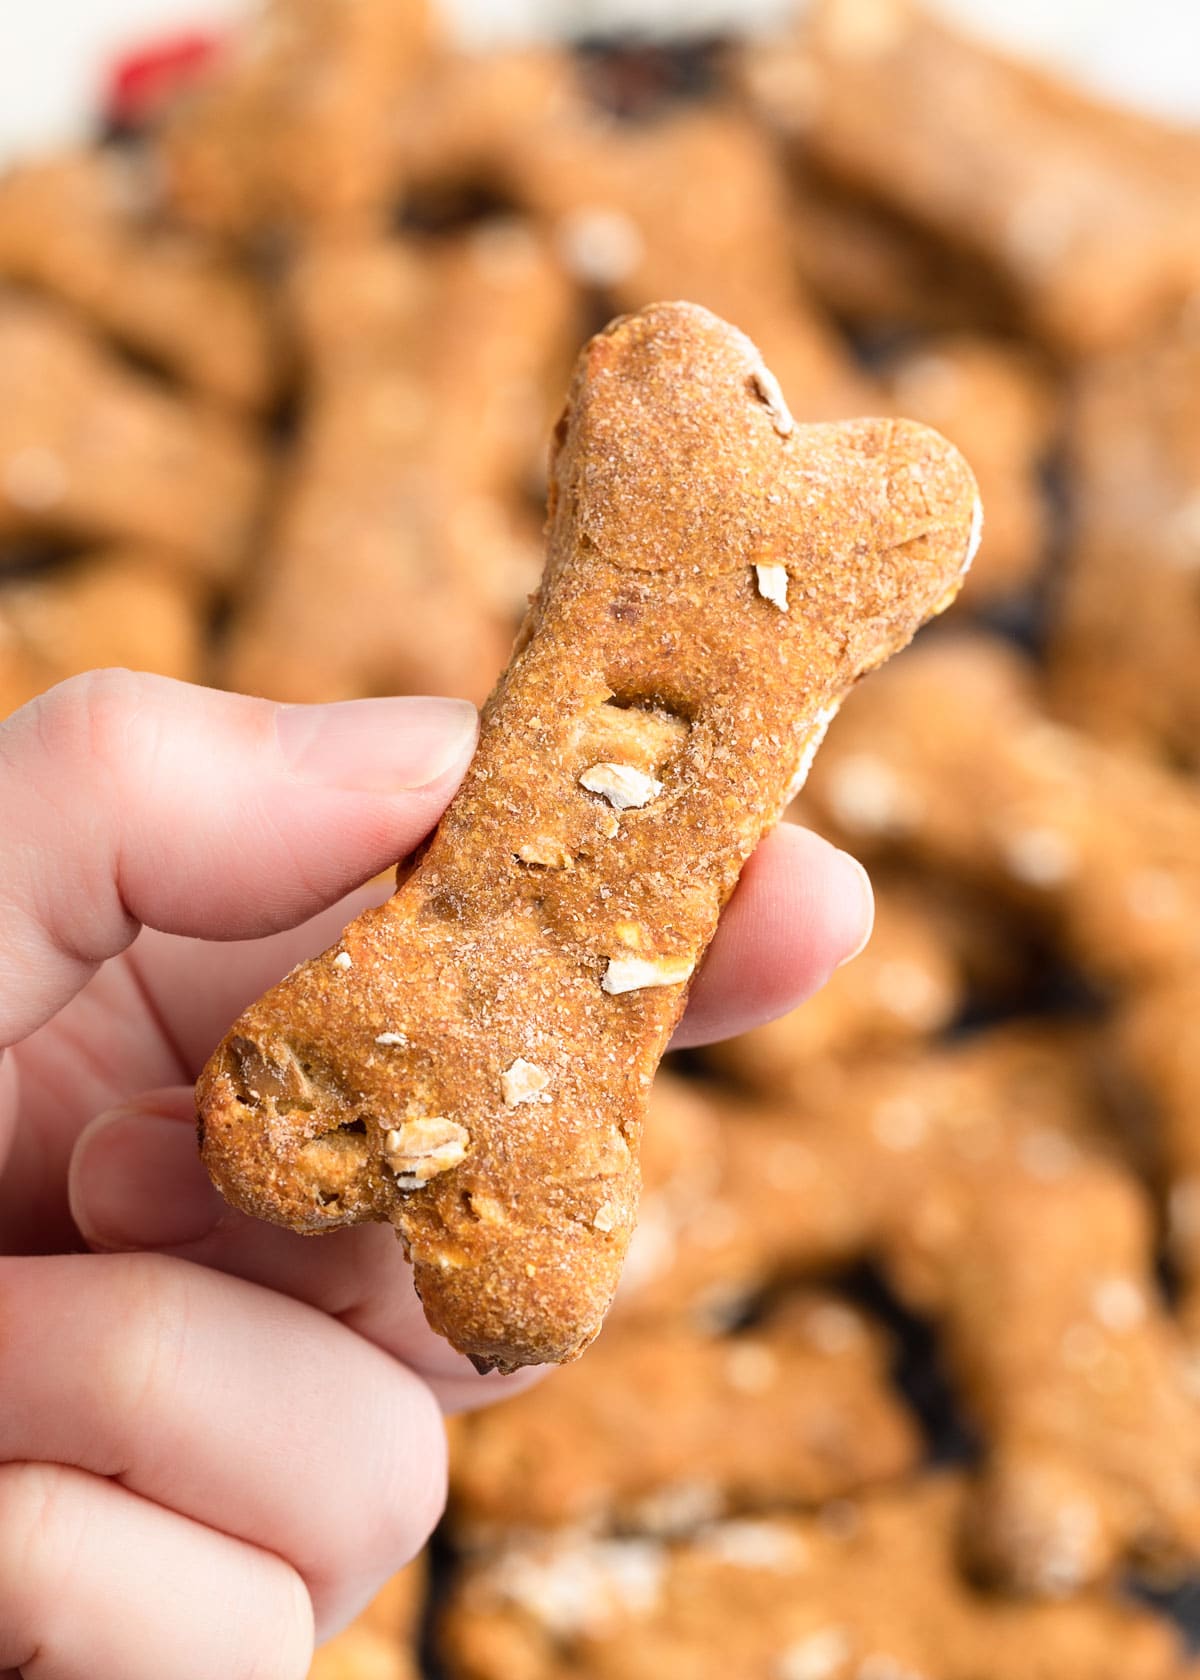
903 1381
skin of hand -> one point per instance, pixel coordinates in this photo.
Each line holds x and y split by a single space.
218 1438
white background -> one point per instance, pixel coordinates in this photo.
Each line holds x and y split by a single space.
53 52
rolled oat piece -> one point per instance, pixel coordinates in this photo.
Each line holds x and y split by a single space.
472 1060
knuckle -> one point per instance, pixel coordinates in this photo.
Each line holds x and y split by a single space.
32 1512
92 713
139 1359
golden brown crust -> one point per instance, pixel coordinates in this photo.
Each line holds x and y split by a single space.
548 936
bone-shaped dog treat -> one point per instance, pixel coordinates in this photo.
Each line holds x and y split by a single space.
84 227
876 1595
663 1427
471 1061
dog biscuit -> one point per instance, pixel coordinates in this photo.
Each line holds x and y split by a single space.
661 1428
402 558
83 227
1039 181
949 760
620 201
1155 1049
872 1590
1123 642
95 453
996 403
381 1644
114 608
290 131
906 986
472 1060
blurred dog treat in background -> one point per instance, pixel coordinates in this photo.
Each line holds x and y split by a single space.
907 1337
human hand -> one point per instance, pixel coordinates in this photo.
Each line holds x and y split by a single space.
216 1435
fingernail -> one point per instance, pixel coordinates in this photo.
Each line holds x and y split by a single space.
377 746
136 1181
859 893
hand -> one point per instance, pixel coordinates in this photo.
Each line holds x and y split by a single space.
216 1435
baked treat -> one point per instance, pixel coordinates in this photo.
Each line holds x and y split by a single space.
471 1061
402 559
660 1429
1032 1248
381 1644
290 130
110 608
1084 211
619 200
997 403
96 454
870 266
950 762
872 1590
988 1182
1127 620
1155 1052
740 1195
84 227
906 986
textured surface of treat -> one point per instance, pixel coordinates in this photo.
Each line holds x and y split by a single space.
986 1181
670 483
662 1428
93 452
84 227
110 608
1085 211
876 1592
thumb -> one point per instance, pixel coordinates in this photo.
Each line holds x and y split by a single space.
133 800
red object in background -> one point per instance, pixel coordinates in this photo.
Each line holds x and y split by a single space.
142 82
